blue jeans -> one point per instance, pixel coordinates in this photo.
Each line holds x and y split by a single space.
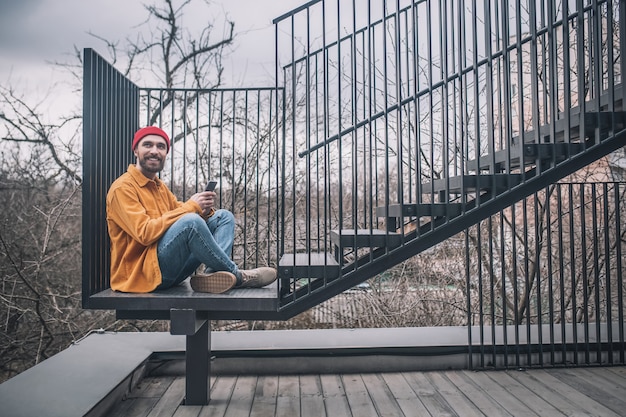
192 241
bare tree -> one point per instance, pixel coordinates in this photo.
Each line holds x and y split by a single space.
40 165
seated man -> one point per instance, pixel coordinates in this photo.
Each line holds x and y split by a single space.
158 241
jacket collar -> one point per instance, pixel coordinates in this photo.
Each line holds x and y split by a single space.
141 179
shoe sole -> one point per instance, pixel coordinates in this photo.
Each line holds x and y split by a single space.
215 283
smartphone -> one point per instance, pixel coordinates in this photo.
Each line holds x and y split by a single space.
210 186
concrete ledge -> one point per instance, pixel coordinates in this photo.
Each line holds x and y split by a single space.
94 373
75 381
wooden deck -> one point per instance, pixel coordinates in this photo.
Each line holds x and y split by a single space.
536 392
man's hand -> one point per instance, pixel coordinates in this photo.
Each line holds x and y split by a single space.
205 199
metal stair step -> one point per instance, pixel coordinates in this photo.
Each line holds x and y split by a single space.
419 210
365 238
308 265
602 120
593 120
557 147
472 183
532 152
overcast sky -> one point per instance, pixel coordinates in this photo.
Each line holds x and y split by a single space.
33 31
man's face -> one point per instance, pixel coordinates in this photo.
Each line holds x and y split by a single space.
150 152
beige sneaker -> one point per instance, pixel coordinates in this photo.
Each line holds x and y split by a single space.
257 278
215 282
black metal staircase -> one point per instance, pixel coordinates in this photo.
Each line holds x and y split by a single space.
475 182
501 189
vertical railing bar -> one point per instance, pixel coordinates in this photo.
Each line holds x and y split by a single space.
385 93
379 193
508 116
492 293
584 273
371 102
279 212
185 133
545 92
538 274
233 117
481 301
429 30
619 271
476 73
399 141
89 278
607 268
610 66
245 171
598 59
489 87
567 98
574 305
463 131
368 194
561 250
309 120
468 300
515 284
285 294
101 132
325 171
521 86
173 146
535 110
502 255
340 211
268 233
354 134
445 122
548 246
596 270
321 227
456 83
196 129
258 186
293 101
527 281
407 60
580 59
622 45
417 121
220 140
326 130
209 136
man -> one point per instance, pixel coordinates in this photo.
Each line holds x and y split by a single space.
158 241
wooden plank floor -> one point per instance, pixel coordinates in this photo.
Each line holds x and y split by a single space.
549 392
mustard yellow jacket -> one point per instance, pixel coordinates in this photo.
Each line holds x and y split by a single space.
139 211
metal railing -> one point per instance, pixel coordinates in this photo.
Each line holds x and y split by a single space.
390 103
110 116
545 279
229 135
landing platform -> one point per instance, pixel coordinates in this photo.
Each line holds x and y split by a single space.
246 303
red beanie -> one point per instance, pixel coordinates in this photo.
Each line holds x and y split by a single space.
150 130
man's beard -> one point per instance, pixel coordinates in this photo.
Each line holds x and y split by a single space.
151 168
